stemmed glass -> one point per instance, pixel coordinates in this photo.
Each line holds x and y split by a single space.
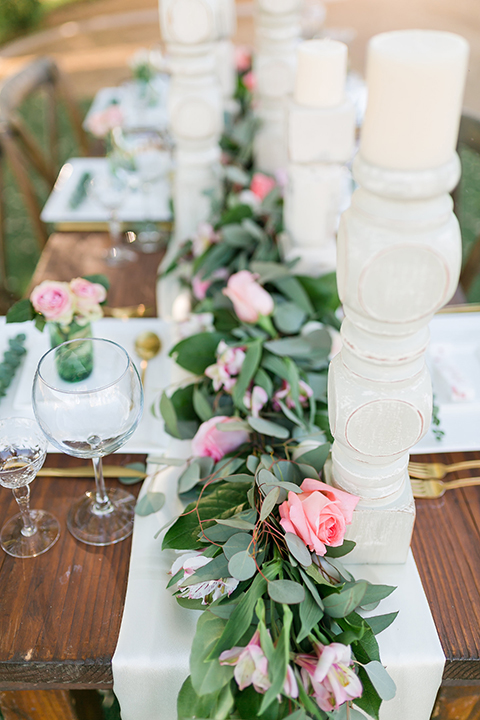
109 188
23 448
90 420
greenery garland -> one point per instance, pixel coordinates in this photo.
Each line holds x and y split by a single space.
283 632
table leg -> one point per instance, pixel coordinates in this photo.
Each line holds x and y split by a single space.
38 705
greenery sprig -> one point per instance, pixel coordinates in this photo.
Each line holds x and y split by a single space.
11 362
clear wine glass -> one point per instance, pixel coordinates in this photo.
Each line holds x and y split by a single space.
23 448
90 420
109 188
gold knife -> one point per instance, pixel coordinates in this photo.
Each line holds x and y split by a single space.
87 471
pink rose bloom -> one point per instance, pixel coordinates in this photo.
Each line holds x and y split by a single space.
87 293
209 441
243 57
100 123
319 515
261 185
249 298
329 677
250 81
251 668
53 300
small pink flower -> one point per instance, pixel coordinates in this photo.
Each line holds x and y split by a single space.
255 400
285 393
54 300
243 57
261 185
319 515
250 81
251 668
209 441
228 365
249 298
329 677
102 122
200 287
203 238
207 591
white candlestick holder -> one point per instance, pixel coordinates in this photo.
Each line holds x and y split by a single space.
399 256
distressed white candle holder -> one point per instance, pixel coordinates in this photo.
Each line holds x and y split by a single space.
399 256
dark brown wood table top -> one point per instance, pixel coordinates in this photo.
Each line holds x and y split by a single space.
446 547
60 612
69 255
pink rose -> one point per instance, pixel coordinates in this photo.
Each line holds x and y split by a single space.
101 122
329 677
87 293
243 57
212 442
261 185
53 300
319 515
249 298
250 81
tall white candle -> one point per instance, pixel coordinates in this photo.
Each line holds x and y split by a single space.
321 73
415 82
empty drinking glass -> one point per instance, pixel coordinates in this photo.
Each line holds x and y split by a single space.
92 419
23 448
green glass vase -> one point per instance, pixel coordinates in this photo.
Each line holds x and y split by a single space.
74 362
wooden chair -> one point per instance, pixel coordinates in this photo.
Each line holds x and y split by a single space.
469 137
20 147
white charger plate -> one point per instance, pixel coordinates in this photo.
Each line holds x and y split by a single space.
460 421
149 437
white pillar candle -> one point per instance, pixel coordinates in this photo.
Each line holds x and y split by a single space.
415 81
321 73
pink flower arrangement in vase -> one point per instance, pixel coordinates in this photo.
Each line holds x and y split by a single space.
68 309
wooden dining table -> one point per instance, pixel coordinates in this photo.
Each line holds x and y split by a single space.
60 613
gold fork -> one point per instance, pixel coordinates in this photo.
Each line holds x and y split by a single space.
436 488
439 470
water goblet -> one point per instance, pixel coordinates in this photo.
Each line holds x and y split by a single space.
90 420
109 188
23 448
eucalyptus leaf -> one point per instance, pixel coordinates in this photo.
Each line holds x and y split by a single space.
298 549
297 347
227 466
242 566
341 604
310 615
249 368
340 551
286 592
201 405
132 480
169 416
197 352
238 523
381 680
237 543
208 676
269 503
376 592
288 317
269 271
241 478
252 463
150 503
237 175
214 570
189 478
291 415
236 236
381 622
316 457
232 426
265 427
348 713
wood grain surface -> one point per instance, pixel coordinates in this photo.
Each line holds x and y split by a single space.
60 612
69 255
446 547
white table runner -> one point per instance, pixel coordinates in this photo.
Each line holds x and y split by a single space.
151 660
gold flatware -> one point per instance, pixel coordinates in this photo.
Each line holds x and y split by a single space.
438 471
147 346
430 489
87 471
